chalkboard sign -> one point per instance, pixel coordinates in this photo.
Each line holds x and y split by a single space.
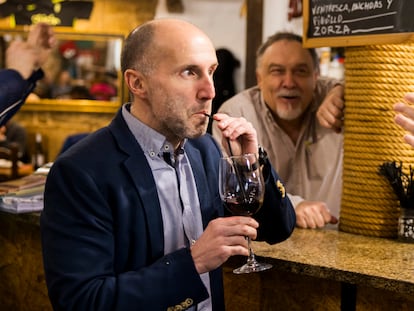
347 22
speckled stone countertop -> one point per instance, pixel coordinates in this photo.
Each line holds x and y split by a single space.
356 259
330 254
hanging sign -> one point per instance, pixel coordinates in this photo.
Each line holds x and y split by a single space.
52 12
347 22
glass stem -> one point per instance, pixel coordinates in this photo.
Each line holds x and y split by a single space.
251 260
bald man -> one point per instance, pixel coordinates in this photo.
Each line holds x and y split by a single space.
132 215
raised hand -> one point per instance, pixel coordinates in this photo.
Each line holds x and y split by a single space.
27 56
240 133
330 113
405 117
41 38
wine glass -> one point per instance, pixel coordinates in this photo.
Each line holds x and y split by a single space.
242 190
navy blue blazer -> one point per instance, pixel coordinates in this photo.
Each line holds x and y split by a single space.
14 91
102 231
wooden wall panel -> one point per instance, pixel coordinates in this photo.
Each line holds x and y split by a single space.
107 17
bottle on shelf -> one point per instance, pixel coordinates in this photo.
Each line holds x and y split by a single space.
38 159
324 60
336 68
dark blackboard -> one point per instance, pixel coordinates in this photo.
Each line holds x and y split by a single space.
358 22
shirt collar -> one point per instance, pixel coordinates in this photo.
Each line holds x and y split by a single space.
152 142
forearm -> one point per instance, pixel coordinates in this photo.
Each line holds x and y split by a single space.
14 91
295 199
11 87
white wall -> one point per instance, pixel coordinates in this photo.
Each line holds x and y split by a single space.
221 20
275 18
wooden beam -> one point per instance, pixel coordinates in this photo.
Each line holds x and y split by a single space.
175 6
254 33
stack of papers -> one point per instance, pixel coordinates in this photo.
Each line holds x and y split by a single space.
23 201
24 195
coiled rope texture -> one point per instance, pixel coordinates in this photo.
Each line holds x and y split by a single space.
376 77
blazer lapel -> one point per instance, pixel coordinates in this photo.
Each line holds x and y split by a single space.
144 182
137 166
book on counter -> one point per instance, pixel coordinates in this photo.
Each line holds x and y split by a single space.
26 182
25 194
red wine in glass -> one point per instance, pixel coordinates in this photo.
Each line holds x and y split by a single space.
242 190
242 208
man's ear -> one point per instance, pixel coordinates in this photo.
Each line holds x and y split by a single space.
135 82
258 77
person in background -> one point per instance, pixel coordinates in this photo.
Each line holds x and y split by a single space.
224 83
13 132
63 85
132 214
23 62
282 108
104 88
80 92
405 117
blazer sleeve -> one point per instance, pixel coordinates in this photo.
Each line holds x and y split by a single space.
14 91
277 216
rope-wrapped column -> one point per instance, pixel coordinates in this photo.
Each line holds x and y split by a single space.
376 77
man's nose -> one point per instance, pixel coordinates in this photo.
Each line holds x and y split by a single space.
207 90
288 79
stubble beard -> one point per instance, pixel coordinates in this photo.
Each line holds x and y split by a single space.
179 123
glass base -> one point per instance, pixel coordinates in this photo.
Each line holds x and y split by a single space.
251 267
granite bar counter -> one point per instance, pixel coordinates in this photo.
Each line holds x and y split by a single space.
326 270
312 270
